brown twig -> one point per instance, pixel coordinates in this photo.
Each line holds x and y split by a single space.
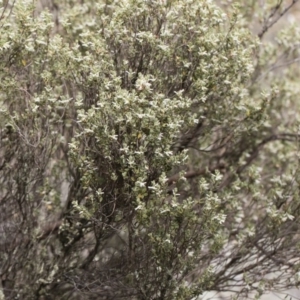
268 25
195 173
290 137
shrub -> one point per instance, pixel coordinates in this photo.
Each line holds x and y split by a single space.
149 150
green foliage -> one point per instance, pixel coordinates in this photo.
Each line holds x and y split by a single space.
149 151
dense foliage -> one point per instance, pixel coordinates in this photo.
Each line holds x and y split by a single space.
149 149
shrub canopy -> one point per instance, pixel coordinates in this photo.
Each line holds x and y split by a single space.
149 150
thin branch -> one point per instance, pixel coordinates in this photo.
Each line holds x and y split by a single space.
288 63
289 137
268 25
271 256
194 173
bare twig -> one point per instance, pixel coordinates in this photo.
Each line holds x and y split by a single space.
268 24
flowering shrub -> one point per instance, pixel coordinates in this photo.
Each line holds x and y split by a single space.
149 150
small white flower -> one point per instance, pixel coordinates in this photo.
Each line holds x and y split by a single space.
141 184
